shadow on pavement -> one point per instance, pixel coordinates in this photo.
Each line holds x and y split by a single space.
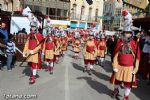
107 66
70 49
27 71
142 91
101 75
98 74
70 55
78 67
99 87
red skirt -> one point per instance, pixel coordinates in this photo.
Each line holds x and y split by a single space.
89 62
36 65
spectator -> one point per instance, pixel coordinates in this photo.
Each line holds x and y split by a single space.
22 31
146 53
112 46
4 31
2 47
109 40
144 68
10 51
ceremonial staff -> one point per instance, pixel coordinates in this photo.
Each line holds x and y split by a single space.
134 63
32 54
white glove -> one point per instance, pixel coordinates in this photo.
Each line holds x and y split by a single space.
24 55
5 55
115 70
31 51
133 72
43 53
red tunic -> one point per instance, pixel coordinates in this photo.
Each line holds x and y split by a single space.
133 45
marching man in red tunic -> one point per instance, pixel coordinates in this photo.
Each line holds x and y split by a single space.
125 60
64 40
101 50
57 43
48 51
97 42
76 45
32 49
90 52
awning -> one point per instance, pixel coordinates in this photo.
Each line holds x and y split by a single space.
133 28
18 23
144 23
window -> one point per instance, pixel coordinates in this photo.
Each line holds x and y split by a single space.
96 15
59 12
65 12
74 10
52 11
90 11
82 13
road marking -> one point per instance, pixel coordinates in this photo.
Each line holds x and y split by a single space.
67 90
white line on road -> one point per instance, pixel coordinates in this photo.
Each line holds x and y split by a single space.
67 90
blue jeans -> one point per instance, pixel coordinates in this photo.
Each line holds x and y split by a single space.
9 61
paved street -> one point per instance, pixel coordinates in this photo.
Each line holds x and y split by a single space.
67 83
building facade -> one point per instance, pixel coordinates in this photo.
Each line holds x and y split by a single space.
82 14
111 14
56 9
10 5
136 7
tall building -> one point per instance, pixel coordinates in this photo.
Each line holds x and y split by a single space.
82 14
56 9
10 5
111 14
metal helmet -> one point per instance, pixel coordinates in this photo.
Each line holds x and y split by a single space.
34 24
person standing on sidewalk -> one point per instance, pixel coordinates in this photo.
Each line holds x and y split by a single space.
2 49
4 31
146 56
10 51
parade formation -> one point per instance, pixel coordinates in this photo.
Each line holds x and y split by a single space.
43 49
